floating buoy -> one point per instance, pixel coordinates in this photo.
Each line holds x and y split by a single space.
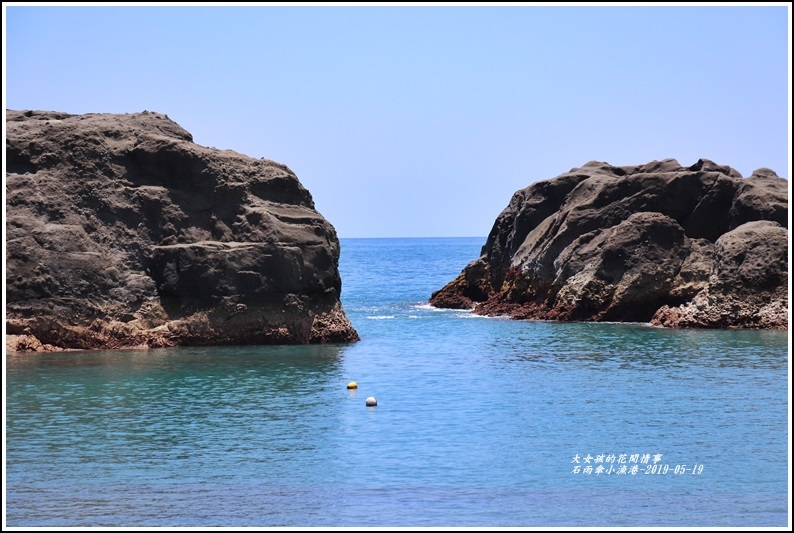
371 401
352 385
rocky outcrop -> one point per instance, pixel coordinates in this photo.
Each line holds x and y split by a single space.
676 246
122 232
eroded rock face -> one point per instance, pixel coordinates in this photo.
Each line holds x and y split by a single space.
122 232
676 246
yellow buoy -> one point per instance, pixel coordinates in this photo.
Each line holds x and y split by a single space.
352 385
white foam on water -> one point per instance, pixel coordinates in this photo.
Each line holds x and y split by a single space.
428 307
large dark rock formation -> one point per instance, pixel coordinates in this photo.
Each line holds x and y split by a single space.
676 246
122 232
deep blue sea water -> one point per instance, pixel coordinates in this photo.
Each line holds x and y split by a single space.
480 422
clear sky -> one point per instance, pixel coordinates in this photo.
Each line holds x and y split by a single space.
417 120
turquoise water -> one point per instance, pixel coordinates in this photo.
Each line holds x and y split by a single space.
480 421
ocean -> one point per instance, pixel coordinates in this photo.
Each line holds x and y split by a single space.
480 422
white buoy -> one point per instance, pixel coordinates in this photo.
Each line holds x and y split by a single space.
371 401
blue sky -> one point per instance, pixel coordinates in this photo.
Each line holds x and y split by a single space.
421 121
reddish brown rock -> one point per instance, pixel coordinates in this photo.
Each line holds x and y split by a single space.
695 246
122 232
28 343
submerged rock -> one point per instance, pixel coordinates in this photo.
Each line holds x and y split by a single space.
122 232
676 246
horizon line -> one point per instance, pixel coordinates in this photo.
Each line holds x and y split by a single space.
424 237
